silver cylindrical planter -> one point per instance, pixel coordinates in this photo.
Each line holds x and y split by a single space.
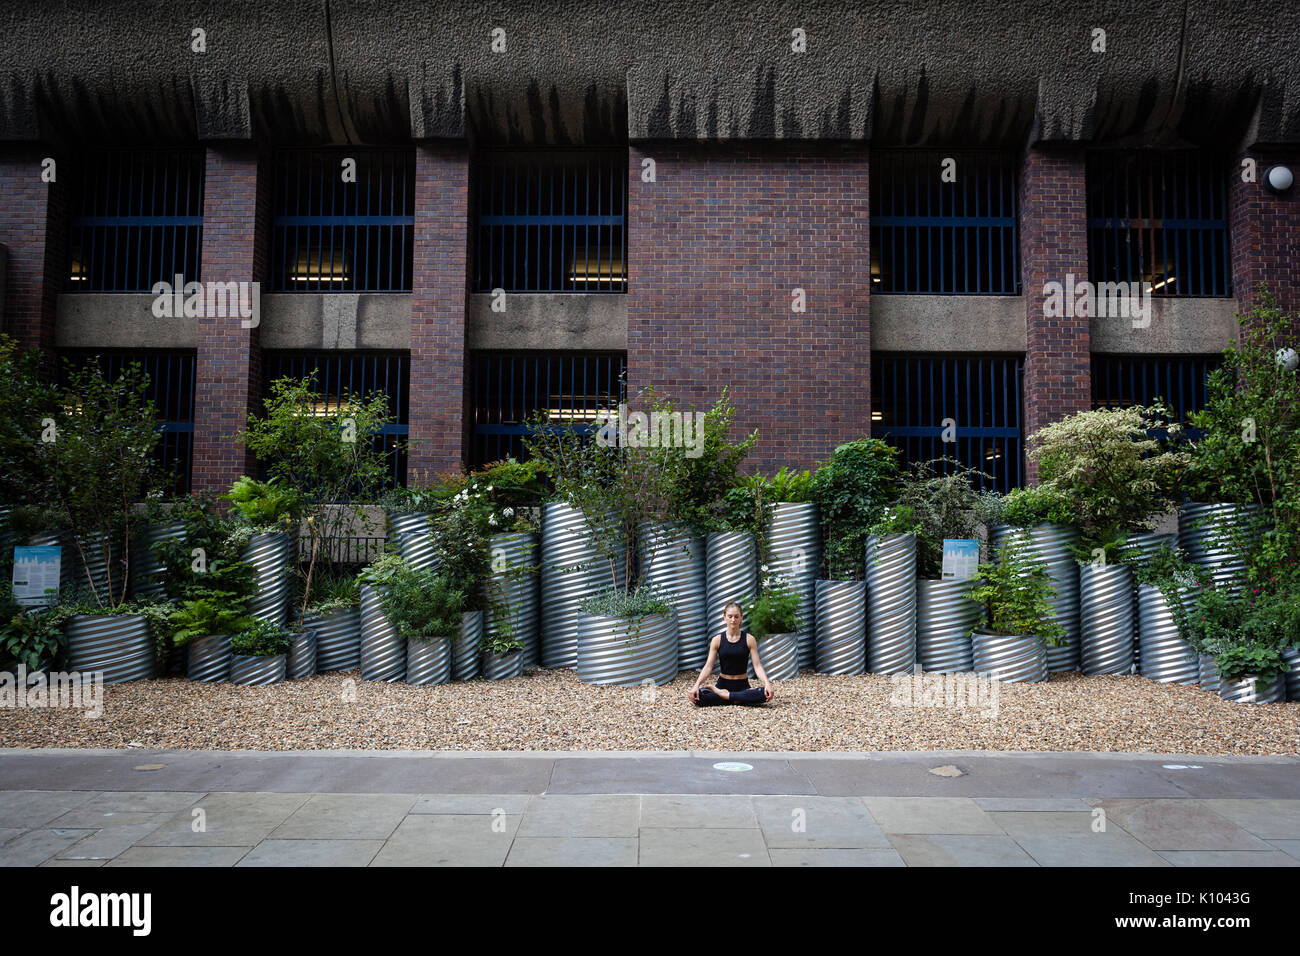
1292 657
120 645
1049 545
257 671
502 666
1205 532
891 603
415 541
780 656
338 638
383 651
841 627
627 651
1209 668
465 647
673 563
146 569
518 591
1254 691
730 574
302 655
945 615
794 541
1142 545
90 573
269 554
208 659
1162 653
1106 618
1010 659
428 662
572 569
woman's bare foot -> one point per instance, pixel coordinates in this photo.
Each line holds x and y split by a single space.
723 693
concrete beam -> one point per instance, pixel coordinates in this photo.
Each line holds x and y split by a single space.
947 323
337 320
1178 326
120 321
589 322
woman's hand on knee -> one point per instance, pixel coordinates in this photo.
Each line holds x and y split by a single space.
767 691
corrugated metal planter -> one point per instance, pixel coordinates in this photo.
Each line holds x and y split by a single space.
1203 531
627 651
428 662
465 647
519 591
780 656
841 627
414 539
674 563
1106 620
302 655
338 638
1142 545
1292 657
208 659
1162 654
945 615
503 666
794 541
730 574
1020 659
120 645
1209 668
383 651
257 671
146 569
269 554
94 572
1251 690
567 544
1049 545
891 603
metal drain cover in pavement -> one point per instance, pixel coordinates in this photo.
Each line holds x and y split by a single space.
732 766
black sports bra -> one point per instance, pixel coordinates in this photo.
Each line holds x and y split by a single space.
733 658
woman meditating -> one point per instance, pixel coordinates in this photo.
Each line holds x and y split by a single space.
732 649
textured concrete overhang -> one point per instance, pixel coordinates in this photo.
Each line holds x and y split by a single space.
947 323
595 323
975 72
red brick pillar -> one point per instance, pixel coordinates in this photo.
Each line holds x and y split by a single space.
1053 246
33 230
236 240
1264 229
438 359
716 246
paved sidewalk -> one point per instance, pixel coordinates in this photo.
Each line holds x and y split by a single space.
395 808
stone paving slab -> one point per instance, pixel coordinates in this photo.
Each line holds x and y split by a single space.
338 816
573 851
573 815
698 810
695 846
312 853
1112 848
488 803
1228 858
1179 825
36 846
675 775
930 815
227 819
802 822
37 807
435 839
181 856
960 849
1266 819
835 857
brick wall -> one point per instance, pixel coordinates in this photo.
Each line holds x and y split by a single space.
33 230
1053 243
715 247
1265 233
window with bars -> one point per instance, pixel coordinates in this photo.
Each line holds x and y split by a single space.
918 399
171 389
934 237
1121 381
1159 217
551 221
137 219
331 234
507 387
357 374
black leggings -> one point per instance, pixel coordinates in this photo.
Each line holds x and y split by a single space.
741 693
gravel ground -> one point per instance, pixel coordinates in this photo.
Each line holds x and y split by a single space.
552 710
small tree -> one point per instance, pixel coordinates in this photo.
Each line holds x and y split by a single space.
852 490
1016 594
26 402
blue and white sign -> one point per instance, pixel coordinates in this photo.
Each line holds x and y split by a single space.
36 570
961 556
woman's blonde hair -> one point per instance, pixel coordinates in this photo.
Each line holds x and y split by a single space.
730 606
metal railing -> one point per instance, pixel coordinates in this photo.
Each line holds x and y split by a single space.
1121 381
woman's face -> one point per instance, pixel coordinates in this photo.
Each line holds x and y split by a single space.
733 616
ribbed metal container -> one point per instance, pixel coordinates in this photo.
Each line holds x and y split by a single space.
338 638
1010 659
257 671
1141 545
208 659
1203 531
520 593
1162 654
120 645
1252 691
1292 657
302 655
673 560
269 554
72 572
1049 545
891 603
428 662
415 541
566 543
146 569
841 615
945 615
502 666
730 574
1106 620
780 656
625 652
465 647
1209 668
383 651
794 540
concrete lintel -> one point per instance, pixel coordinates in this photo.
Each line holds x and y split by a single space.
590 322
337 320
947 323
1178 326
120 320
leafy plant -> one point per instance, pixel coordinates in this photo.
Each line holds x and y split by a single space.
944 503
774 611
333 590
205 616
265 505
897 519
1016 594
33 636
745 507
26 401
1249 628
205 561
423 604
1242 661
851 490
791 486
625 604
262 639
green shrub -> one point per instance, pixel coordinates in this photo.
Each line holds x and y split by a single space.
1016 594
423 604
626 604
775 611
205 616
851 491
941 497
262 639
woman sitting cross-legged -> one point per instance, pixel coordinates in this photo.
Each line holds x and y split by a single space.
731 649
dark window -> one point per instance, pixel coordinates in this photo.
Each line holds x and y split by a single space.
335 236
551 221
975 400
1121 381
137 219
1159 217
944 238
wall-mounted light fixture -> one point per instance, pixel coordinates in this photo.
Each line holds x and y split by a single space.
1279 178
